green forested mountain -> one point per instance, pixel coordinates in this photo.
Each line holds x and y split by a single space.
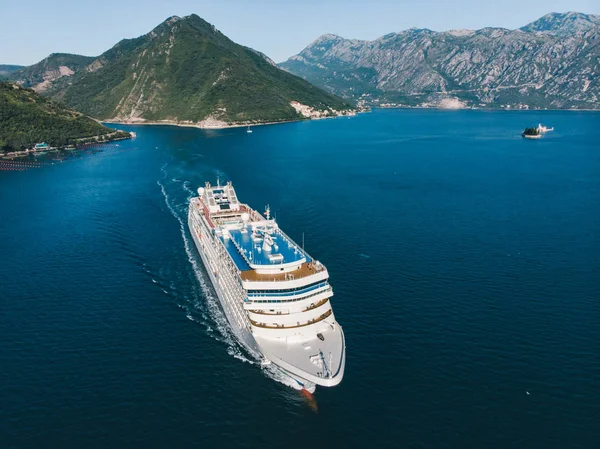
41 76
27 118
186 71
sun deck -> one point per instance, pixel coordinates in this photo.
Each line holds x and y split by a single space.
265 247
236 256
306 269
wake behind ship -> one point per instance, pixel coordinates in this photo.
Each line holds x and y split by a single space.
275 296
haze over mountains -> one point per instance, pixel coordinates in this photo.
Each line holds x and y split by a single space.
6 69
184 71
553 62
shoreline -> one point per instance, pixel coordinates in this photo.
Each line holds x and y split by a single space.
192 125
485 109
77 146
227 126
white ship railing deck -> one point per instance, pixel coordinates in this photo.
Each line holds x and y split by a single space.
287 312
305 270
282 326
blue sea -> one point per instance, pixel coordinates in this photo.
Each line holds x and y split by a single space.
465 263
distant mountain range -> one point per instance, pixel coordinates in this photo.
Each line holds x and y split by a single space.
184 71
27 118
553 62
6 69
42 75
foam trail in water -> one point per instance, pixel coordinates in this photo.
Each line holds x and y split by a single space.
211 302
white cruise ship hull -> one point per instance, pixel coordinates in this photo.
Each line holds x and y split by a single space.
275 298
241 332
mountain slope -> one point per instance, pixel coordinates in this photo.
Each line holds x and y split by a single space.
40 76
553 62
186 71
563 24
27 118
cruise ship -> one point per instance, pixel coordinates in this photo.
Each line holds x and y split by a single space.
275 296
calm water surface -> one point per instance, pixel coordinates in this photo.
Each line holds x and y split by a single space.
465 263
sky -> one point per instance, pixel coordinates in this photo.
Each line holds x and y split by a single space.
31 30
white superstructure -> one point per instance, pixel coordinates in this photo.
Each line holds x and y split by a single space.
543 129
275 296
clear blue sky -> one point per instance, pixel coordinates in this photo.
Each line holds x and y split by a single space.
32 29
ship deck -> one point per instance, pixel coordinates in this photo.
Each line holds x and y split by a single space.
307 358
306 269
245 251
238 259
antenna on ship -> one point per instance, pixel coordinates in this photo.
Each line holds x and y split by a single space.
218 182
268 212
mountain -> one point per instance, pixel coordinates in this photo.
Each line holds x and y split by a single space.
553 62
41 76
563 24
27 118
6 69
186 71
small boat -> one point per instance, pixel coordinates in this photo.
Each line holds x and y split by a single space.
248 130
542 129
531 133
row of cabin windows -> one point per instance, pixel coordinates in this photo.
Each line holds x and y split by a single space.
278 301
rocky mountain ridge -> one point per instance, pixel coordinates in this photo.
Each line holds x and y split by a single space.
41 76
553 62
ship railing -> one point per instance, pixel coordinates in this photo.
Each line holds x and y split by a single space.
292 241
283 326
306 269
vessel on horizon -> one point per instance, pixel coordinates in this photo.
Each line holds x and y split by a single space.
275 296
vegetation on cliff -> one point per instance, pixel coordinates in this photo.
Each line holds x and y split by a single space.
40 76
27 118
